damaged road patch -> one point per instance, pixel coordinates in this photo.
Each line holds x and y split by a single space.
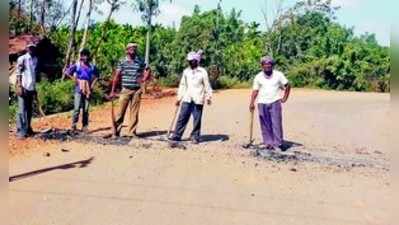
325 160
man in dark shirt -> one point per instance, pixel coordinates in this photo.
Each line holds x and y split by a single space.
130 71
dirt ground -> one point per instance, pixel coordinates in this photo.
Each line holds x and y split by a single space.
335 173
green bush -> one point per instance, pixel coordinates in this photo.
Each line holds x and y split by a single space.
12 113
57 96
225 82
312 48
169 81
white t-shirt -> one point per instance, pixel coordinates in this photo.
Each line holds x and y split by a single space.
194 86
26 67
269 87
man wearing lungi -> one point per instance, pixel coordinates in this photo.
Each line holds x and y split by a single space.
267 88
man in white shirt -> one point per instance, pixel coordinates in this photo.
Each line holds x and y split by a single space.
194 90
267 87
26 90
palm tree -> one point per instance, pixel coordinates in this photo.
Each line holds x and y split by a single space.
148 9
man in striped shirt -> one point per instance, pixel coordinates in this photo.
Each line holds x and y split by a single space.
130 71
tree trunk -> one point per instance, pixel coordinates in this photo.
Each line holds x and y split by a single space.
43 15
147 47
71 37
79 12
31 16
104 30
17 30
86 31
75 46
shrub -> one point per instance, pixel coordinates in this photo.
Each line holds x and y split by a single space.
225 82
57 96
12 113
169 81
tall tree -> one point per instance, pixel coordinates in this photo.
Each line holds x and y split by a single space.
273 12
72 36
32 5
114 6
19 13
43 7
148 9
87 25
75 46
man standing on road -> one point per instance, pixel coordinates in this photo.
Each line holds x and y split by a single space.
194 90
85 76
130 71
267 88
26 90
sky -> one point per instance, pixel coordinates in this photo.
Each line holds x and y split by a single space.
363 15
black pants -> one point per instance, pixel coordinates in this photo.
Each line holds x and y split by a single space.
185 112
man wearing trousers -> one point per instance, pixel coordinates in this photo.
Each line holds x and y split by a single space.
267 87
194 91
85 74
26 90
130 71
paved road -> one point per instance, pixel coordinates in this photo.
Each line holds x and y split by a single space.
216 182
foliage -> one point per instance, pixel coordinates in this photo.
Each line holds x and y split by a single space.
226 82
169 81
12 113
310 47
57 96
307 42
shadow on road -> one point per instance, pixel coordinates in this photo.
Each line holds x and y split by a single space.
152 134
214 137
287 145
78 164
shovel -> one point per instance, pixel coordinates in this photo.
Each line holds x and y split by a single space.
173 121
114 127
251 130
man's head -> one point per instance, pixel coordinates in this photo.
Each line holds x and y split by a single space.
131 49
31 48
267 64
193 59
85 55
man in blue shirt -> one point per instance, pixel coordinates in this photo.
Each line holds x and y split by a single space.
85 75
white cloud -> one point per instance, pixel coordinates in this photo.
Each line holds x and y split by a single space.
171 14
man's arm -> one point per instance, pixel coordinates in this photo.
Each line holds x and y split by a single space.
95 78
208 89
146 75
20 69
287 91
93 83
253 98
182 89
69 72
115 81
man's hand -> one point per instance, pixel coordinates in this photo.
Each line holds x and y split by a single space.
209 102
252 107
19 90
112 94
177 103
287 91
